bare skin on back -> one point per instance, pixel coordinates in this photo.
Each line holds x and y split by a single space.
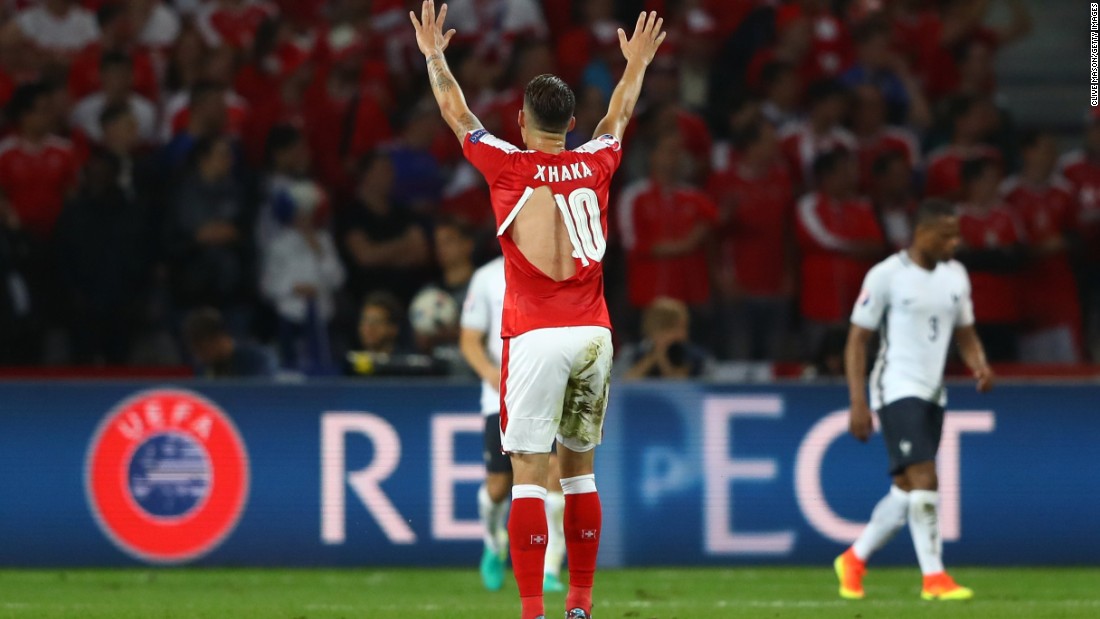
540 234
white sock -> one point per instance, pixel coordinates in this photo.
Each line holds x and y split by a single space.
492 516
924 526
888 518
555 521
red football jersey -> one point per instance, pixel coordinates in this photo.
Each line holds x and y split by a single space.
1046 212
757 213
1083 175
649 215
831 277
944 177
801 146
35 180
890 139
580 179
996 295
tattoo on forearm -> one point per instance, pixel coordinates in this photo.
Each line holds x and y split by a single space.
468 122
441 78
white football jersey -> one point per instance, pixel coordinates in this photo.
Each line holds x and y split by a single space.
482 312
916 312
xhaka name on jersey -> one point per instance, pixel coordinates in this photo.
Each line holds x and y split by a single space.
562 173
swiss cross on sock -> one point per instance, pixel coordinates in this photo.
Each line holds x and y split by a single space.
538 540
589 534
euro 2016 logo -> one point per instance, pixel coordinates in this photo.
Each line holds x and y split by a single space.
167 476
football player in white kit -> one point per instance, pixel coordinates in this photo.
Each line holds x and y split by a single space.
482 347
917 300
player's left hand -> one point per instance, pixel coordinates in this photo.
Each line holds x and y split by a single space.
429 29
984 376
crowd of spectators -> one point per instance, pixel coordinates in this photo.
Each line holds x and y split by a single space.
183 179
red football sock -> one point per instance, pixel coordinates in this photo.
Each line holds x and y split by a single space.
582 543
527 533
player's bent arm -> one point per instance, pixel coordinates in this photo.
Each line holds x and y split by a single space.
471 342
432 42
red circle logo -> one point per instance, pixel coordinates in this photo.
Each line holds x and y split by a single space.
167 476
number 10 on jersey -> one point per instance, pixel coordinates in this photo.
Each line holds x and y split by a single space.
581 214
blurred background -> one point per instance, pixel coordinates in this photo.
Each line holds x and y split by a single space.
235 187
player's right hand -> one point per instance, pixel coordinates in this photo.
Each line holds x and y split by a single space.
430 37
647 37
859 421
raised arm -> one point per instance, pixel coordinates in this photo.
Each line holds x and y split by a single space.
432 42
639 52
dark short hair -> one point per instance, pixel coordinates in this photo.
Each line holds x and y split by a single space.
551 103
204 324
113 112
458 224
772 71
868 29
933 209
205 88
25 97
973 168
959 106
387 301
823 90
882 164
1031 138
828 162
749 135
115 60
280 138
108 13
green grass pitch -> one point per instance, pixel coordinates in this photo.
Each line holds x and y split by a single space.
711 593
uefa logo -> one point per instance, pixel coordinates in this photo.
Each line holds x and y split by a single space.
167 476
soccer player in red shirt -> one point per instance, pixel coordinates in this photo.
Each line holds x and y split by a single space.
665 225
755 265
1044 205
551 209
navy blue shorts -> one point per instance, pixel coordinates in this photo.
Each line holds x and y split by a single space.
912 428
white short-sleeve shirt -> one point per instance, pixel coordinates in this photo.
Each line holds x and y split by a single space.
915 311
482 312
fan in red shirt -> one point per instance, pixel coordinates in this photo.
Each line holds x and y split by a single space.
117 34
1044 204
232 23
894 198
37 169
875 138
1081 168
551 208
840 241
820 133
756 269
992 252
971 121
665 225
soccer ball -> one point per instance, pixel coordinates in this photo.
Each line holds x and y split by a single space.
431 311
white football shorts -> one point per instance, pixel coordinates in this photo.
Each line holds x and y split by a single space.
554 383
